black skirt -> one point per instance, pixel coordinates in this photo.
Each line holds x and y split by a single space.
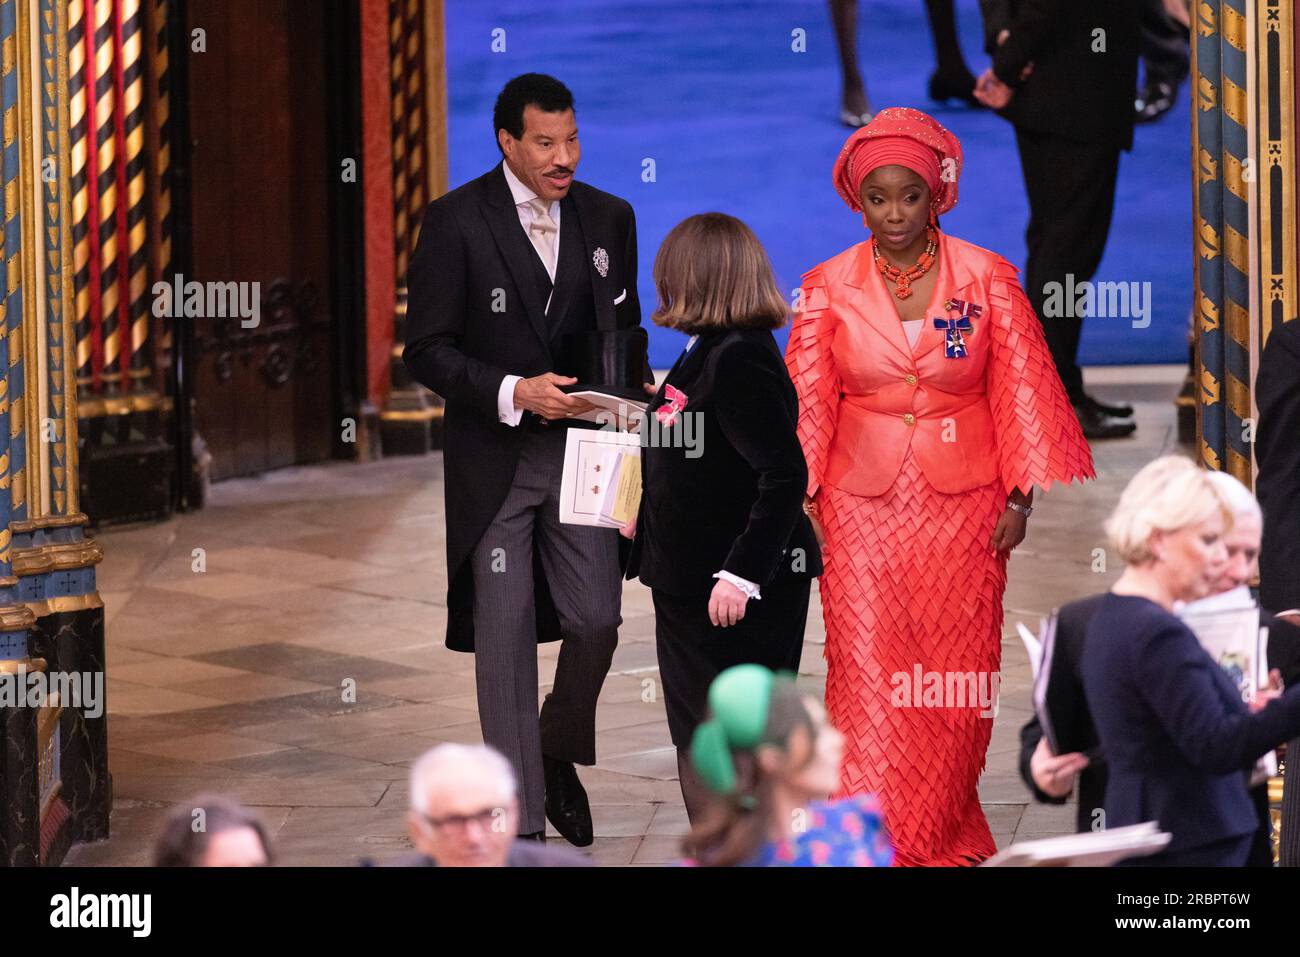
692 652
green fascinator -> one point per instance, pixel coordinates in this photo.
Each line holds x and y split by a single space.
740 701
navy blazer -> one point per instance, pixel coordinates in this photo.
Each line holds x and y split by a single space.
1177 736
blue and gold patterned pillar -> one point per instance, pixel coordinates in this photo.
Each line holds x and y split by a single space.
1235 338
1274 294
19 786
1275 149
1244 211
1207 218
1222 225
54 779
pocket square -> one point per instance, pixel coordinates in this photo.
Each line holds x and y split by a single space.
621 296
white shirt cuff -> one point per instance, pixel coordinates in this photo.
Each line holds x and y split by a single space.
748 587
506 410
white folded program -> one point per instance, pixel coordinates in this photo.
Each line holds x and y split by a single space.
601 481
1088 849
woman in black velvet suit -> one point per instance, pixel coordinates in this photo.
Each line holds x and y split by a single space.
721 537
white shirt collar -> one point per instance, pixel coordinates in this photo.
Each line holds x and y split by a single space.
521 193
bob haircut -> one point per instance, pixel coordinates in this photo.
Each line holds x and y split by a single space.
1165 495
712 273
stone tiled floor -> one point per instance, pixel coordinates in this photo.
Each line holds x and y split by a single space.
319 580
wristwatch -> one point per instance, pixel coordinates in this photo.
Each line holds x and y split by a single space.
1025 510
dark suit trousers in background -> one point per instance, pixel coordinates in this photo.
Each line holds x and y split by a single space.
582 570
692 651
1071 189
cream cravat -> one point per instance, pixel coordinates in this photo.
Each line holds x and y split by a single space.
543 233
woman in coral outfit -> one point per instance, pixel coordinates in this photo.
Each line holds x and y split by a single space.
929 410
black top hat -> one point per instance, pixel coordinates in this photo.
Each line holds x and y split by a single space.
609 361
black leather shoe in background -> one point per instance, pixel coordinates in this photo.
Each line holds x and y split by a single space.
1154 102
566 802
1097 425
954 86
1122 411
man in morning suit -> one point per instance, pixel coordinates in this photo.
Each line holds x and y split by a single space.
1063 73
1277 485
506 266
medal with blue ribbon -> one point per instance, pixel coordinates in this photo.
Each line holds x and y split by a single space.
954 346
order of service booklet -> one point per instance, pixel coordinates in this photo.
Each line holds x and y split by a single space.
1228 628
611 411
1233 638
601 484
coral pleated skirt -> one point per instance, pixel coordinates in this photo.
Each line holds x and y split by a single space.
910 580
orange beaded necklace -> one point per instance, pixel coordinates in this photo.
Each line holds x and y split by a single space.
903 279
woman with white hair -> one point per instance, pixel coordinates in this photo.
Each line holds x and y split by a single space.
1233 591
1178 738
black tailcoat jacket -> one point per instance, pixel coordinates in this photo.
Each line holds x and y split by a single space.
737 505
477 312
1277 450
1084 54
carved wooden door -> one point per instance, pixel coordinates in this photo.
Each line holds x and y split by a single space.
264 393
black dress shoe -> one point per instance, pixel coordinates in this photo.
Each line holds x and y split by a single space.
1097 425
566 802
538 836
1154 102
1121 411
954 86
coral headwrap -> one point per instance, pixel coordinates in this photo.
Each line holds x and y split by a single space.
901 136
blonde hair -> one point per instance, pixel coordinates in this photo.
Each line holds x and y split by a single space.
1165 495
712 273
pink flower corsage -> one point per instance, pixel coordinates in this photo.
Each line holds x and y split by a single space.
676 401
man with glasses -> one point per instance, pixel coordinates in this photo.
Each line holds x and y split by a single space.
464 813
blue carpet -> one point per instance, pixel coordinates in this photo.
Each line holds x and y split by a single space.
735 121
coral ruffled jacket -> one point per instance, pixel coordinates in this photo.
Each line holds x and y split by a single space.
865 396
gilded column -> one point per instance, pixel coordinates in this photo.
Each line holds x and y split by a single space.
1235 340
104 163
1207 202
418 100
120 243
19 784
1275 124
1275 297
51 615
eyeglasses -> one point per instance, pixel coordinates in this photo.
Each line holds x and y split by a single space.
485 819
